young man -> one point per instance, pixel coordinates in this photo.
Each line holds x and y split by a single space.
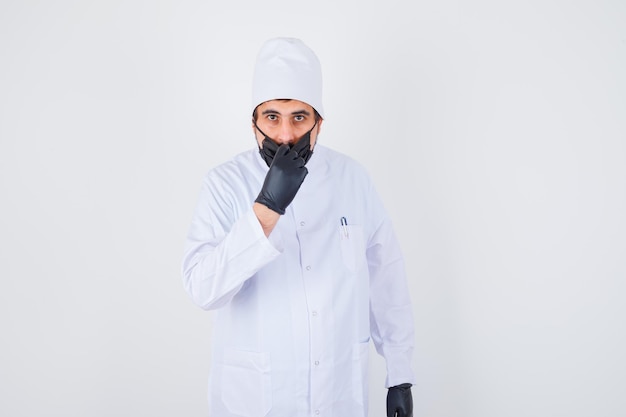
292 248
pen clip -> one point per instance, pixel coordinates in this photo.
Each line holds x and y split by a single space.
344 227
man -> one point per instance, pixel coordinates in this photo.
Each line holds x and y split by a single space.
292 248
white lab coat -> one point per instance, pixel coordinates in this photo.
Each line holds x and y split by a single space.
294 312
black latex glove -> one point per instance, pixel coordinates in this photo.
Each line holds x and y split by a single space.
303 146
283 180
268 151
400 401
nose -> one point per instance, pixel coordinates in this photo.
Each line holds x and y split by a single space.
286 133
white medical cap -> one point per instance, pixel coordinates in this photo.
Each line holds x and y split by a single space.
287 69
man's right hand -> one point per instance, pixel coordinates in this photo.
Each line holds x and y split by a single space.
283 180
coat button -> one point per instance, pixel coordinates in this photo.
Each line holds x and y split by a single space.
308 267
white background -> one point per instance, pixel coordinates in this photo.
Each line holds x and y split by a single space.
495 132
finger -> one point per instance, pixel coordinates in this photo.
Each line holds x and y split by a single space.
303 144
298 161
269 144
282 150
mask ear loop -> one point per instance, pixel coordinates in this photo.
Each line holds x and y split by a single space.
311 131
263 133
314 124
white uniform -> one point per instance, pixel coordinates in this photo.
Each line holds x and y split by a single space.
294 312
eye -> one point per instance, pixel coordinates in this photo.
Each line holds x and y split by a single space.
299 118
272 117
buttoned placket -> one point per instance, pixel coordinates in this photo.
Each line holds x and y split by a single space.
316 332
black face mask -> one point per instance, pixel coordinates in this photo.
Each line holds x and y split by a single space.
302 146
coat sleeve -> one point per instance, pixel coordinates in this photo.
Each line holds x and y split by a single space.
391 314
225 246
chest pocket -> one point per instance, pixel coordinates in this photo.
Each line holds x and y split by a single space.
352 246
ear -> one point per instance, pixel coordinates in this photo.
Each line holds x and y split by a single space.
319 125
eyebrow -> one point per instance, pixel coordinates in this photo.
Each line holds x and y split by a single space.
294 113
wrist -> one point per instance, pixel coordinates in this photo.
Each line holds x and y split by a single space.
266 216
402 386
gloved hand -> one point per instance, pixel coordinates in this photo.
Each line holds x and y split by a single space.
283 180
400 401
268 150
303 146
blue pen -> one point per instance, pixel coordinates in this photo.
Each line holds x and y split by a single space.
344 226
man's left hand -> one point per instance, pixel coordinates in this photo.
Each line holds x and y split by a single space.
400 401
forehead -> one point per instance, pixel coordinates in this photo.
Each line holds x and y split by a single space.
284 106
